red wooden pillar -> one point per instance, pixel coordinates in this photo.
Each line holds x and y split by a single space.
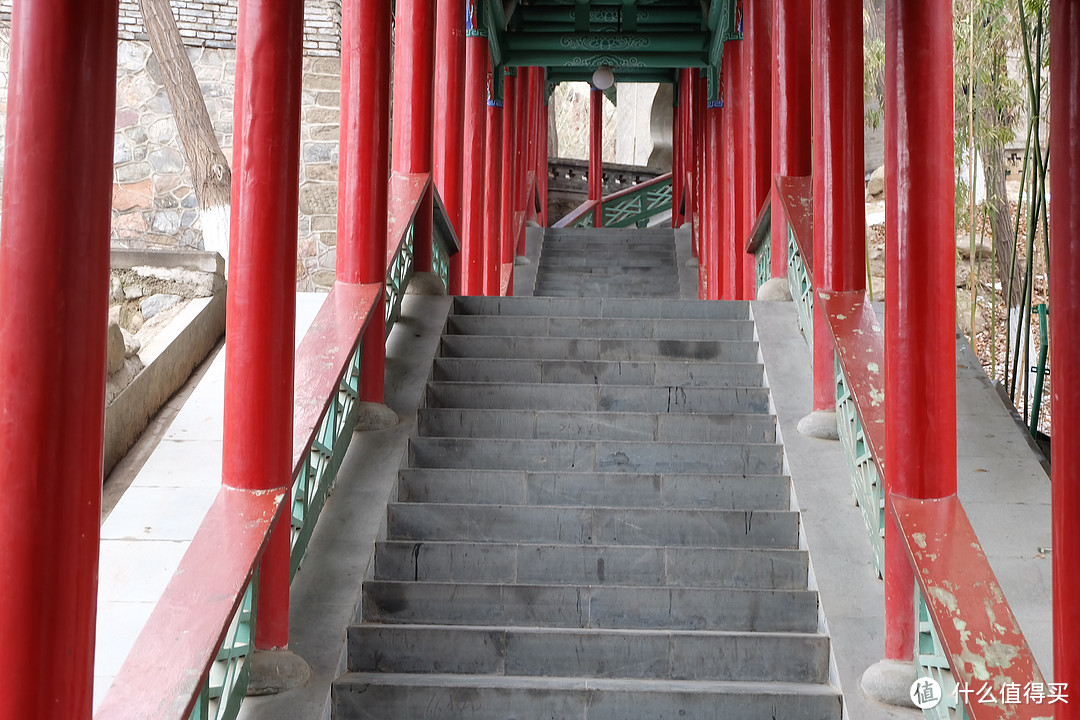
54 278
920 351
839 224
700 97
758 62
686 91
1064 321
791 117
365 156
413 118
532 139
493 194
678 140
731 248
261 301
509 176
449 108
542 143
521 129
476 72
713 206
596 153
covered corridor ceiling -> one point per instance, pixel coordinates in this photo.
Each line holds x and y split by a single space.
641 40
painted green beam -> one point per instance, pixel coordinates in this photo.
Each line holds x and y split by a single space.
647 15
691 43
629 16
625 75
614 59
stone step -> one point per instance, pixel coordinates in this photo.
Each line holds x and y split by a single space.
603 307
611 349
392 696
642 255
589 606
598 372
609 398
599 287
641 490
607 234
626 328
550 564
593 525
561 425
603 456
645 654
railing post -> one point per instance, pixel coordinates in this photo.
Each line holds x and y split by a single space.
472 241
261 301
413 116
364 157
509 176
758 62
791 117
596 153
1064 321
493 194
54 268
920 350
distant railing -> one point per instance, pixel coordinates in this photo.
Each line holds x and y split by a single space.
627 208
759 244
796 195
189 662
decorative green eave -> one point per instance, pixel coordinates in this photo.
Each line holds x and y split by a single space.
642 40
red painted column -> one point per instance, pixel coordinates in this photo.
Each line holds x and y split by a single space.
677 142
531 139
758 63
509 176
493 194
449 109
413 118
731 247
521 129
920 351
476 72
54 279
1064 321
791 116
261 301
542 171
596 153
713 206
700 97
364 159
686 87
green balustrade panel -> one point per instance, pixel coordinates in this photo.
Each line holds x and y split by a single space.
865 481
585 220
638 205
763 264
319 473
802 292
398 275
227 682
440 259
932 662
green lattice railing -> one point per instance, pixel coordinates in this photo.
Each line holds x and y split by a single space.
227 682
634 206
762 264
802 290
931 660
865 481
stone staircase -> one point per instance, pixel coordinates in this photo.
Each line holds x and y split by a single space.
593 523
585 262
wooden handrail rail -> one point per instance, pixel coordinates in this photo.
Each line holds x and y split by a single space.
762 227
797 198
577 213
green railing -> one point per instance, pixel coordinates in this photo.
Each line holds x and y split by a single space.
634 206
398 275
932 661
759 244
865 482
228 680
802 289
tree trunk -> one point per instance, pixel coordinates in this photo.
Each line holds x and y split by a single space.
210 174
1001 226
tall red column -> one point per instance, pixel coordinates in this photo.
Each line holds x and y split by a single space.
920 351
521 129
791 116
758 64
677 142
596 153
700 97
261 301
542 143
713 206
450 79
413 118
493 194
476 71
734 210
532 138
509 176
365 157
54 278
686 94
1064 321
